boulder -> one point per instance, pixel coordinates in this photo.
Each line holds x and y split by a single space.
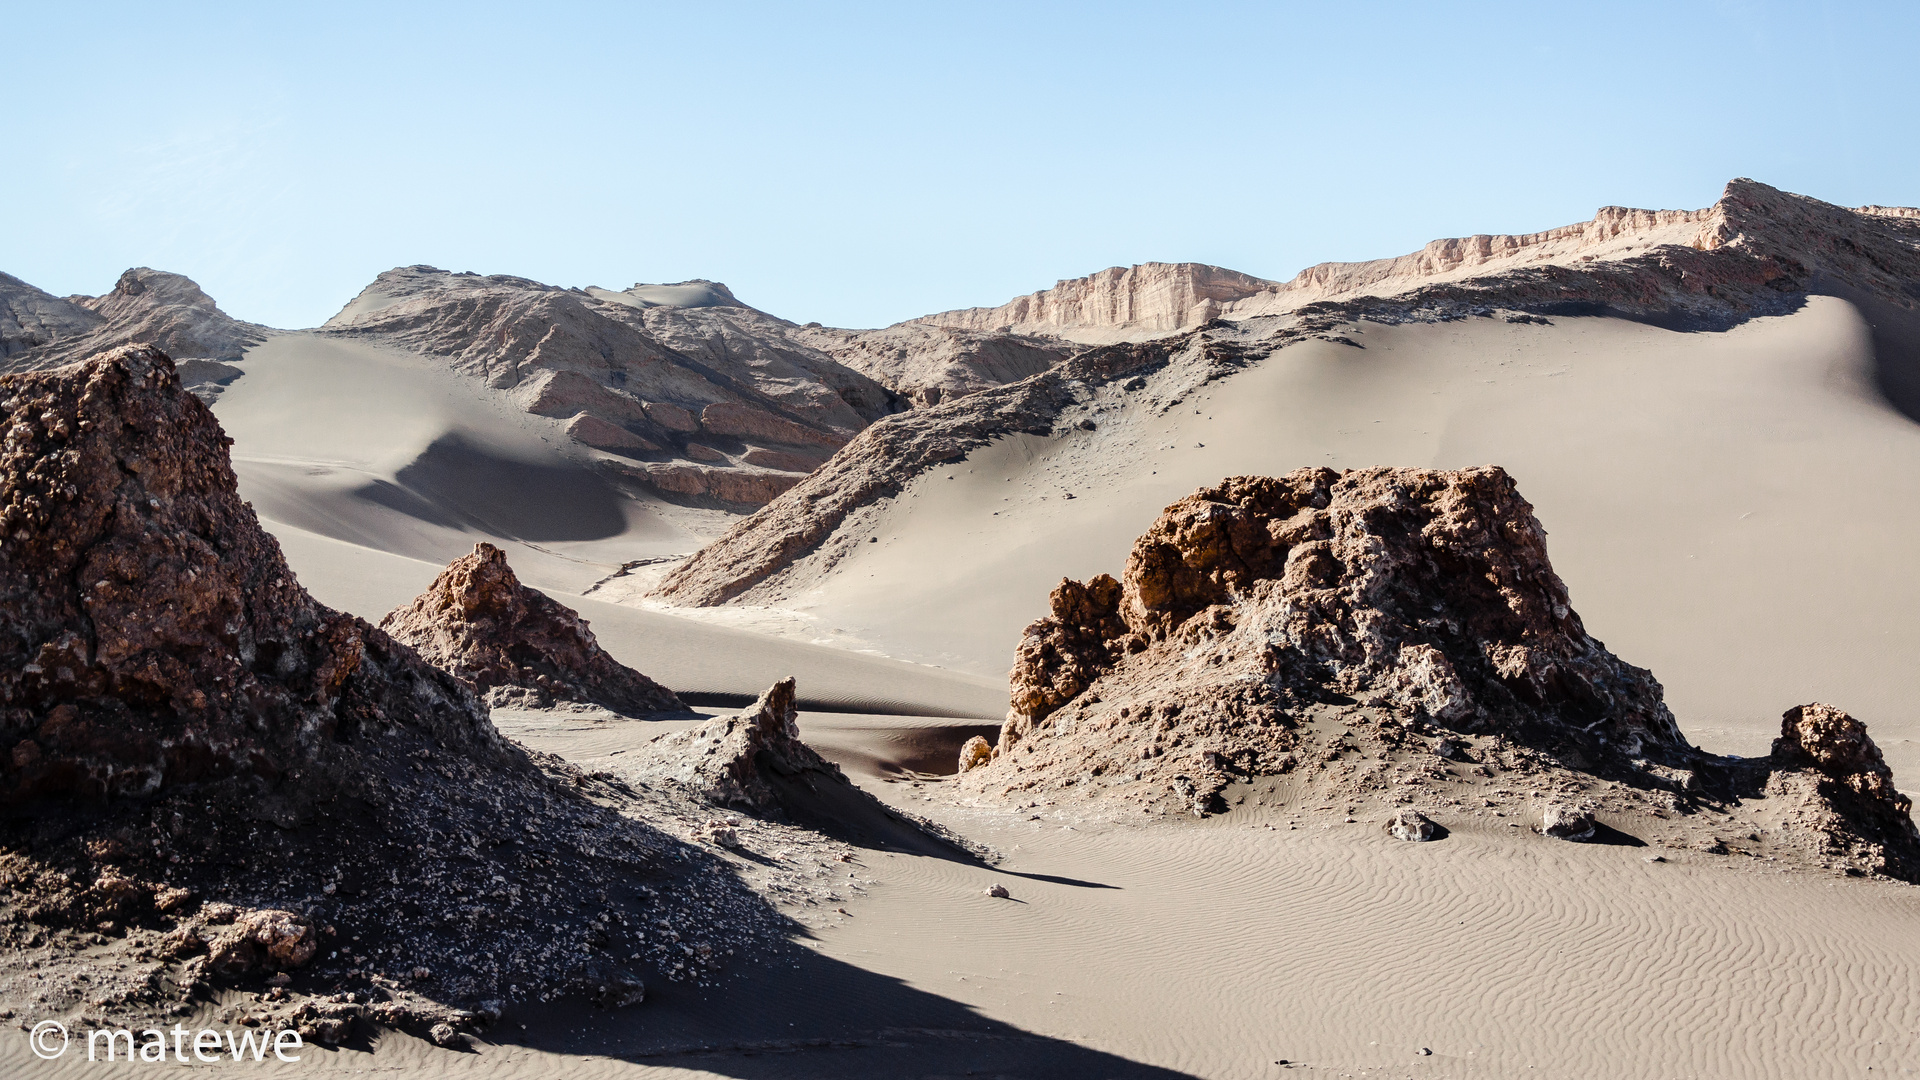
1567 823
974 753
736 761
1411 825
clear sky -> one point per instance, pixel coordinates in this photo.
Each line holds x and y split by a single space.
861 164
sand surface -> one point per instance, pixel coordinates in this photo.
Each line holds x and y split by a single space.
1730 510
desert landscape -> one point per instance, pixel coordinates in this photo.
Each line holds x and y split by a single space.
1486 662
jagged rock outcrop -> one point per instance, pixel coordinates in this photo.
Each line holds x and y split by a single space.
741 761
1318 623
211 775
515 645
654 376
32 318
150 307
1426 591
1829 769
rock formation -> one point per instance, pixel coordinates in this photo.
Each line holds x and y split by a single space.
517 646
1827 767
1151 299
151 307
1312 623
739 761
212 776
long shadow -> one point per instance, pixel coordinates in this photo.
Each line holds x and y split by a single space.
455 481
802 1015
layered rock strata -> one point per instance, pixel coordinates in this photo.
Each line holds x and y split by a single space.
517 646
209 776
1317 623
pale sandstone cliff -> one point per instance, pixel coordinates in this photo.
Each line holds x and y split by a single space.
1157 299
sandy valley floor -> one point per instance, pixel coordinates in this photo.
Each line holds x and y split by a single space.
1734 511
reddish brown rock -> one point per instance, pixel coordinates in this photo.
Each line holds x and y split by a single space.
180 719
1834 781
734 418
517 645
780 459
150 624
1428 591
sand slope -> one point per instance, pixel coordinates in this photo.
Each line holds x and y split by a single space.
1727 508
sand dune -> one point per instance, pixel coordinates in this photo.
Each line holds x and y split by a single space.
1726 508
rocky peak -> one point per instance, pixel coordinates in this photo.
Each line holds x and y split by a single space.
517 645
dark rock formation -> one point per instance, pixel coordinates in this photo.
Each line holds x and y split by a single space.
1382 634
739 761
1426 590
1829 771
518 646
211 776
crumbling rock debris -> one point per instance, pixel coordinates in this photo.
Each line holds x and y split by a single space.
150 624
263 940
1424 590
737 760
1387 634
517 645
1411 825
1567 823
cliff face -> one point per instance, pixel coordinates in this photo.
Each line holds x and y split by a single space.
1148 299
1638 261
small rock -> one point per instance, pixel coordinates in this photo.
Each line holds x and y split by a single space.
1654 858
1567 823
976 752
1410 825
1424 1052
723 836
1449 750
443 1034
998 892
1085 425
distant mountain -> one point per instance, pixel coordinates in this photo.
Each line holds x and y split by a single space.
38 330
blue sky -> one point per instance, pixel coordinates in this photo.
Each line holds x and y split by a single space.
860 164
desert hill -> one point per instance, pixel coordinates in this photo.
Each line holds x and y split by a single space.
167 311
1663 403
